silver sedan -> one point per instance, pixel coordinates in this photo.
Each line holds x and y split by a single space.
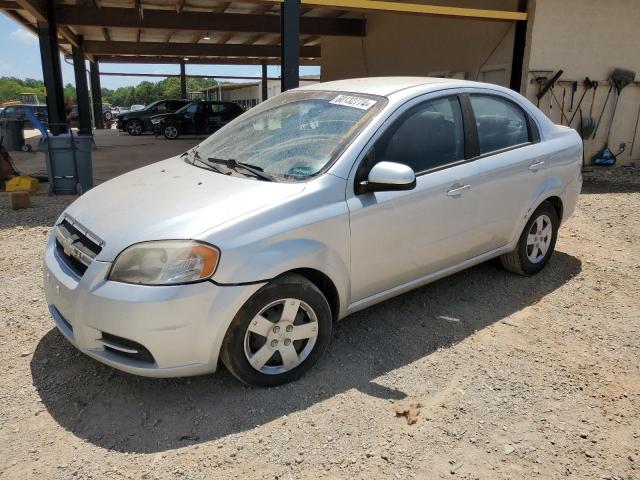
317 203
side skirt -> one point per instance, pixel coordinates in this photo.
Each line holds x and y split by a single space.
419 282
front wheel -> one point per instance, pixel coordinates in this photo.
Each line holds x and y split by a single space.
171 131
134 127
279 334
536 244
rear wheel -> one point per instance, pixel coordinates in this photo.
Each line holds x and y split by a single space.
279 334
171 131
536 244
134 127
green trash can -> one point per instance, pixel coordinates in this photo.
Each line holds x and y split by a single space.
68 160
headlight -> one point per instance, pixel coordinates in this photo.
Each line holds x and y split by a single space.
155 121
167 262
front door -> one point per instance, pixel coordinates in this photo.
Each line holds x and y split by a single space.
397 237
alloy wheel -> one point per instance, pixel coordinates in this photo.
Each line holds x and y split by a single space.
134 128
281 336
539 239
171 132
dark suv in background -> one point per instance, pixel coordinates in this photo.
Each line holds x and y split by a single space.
139 121
199 117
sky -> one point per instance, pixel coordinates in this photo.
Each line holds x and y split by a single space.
20 57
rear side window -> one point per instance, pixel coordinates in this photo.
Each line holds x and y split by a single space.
173 106
501 124
218 107
161 107
428 136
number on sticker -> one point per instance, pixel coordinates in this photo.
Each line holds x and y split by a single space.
352 101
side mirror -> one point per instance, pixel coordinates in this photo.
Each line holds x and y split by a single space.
390 176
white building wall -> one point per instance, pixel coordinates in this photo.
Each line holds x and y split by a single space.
589 38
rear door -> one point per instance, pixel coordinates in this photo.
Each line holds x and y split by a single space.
216 115
509 166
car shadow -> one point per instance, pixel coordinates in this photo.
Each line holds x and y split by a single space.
126 413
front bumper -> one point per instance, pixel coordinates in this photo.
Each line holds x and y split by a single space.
120 124
182 327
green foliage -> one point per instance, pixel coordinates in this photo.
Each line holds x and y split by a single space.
143 93
11 88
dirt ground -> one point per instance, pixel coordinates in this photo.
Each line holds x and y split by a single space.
515 377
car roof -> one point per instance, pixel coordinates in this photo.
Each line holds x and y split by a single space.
386 86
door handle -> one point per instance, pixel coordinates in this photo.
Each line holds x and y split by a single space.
536 166
457 191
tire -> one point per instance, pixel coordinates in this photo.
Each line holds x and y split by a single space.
258 353
134 127
171 131
536 244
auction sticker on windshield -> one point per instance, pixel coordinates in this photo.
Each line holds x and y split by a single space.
352 101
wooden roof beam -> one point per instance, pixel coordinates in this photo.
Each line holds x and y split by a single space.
93 47
187 20
416 8
160 60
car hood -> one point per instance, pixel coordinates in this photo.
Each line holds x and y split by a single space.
171 199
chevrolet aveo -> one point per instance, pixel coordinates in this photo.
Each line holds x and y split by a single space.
315 204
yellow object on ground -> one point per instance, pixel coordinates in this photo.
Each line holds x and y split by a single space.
21 183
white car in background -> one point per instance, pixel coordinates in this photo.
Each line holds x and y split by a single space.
311 206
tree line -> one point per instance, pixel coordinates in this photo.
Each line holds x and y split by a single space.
143 93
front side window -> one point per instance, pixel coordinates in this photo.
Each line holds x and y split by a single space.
294 135
191 108
428 136
501 124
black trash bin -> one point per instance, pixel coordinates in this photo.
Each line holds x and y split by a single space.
12 136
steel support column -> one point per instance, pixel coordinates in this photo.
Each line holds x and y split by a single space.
183 80
290 44
264 84
82 89
96 93
519 44
51 71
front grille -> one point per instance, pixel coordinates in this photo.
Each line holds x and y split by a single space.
76 245
126 348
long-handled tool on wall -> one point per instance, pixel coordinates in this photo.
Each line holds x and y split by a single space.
588 124
604 106
574 89
545 85
619 79
588 85
635 132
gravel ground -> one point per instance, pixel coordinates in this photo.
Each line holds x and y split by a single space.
509 377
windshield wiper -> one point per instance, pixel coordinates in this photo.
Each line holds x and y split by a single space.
258 172
199 159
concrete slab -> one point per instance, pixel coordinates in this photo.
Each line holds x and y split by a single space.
116 153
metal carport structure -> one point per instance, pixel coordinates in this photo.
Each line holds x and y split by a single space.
284 32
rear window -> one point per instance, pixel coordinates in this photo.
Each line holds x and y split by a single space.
501 123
